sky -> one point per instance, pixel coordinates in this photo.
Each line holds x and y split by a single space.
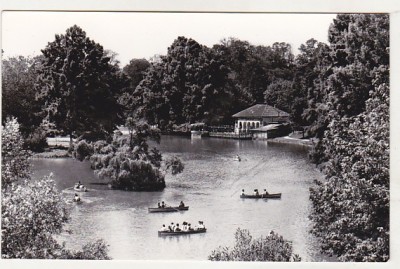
143 35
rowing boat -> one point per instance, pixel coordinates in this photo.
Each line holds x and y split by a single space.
269 196
80 188
167 209
162 233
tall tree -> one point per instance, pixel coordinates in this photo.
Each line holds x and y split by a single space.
18 94
189 84
79 85
351 207
136 70
312 65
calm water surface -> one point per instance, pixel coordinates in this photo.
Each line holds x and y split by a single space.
210 184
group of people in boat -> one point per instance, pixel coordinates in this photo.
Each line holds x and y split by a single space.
185 227
163 204
256 193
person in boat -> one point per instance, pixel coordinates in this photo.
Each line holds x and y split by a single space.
164 229
77 198
162 204
256 192
242 192
271 233
159 206
265 192
200 226
177 229
184 226
181 204
237 157
171 227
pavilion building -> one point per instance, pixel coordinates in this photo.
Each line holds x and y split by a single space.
258 116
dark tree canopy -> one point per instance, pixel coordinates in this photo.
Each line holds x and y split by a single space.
189 84
136 70
79 85
18 94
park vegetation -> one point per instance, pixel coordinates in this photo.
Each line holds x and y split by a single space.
338 93
33 211
272 248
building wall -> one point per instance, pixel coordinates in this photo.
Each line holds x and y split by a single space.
244 125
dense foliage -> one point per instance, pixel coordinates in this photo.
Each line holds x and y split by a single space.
14 159
269 248
187 85
351 208
18 92
128 160
32 211
79 85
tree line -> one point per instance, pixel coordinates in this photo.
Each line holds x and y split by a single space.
339 93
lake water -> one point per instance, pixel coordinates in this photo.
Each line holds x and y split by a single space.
210 185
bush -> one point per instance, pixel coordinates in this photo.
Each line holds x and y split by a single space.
270 248
82 150
37 141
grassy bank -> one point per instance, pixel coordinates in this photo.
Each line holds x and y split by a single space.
52 153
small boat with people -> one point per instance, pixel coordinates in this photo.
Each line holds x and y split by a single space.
186 228
182 232
237 158
165 208
80 187
257 195
77 199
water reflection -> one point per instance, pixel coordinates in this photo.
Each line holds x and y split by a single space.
210 185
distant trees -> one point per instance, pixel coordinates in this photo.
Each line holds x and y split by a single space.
32 211
136 70
269 248
79 85
187 85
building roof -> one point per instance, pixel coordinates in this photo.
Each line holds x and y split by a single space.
261 111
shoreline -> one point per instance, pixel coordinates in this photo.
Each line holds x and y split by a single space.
52 154
307 143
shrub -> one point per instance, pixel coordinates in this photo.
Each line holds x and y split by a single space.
37 141
269 248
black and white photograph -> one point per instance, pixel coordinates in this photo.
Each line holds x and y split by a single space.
201 136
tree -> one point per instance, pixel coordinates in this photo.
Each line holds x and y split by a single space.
79 85
351 207
14 159
135 70
128 160
18 93
359 43
187 85
254 68
32 211
270 248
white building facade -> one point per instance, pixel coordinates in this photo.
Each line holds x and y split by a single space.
258 116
